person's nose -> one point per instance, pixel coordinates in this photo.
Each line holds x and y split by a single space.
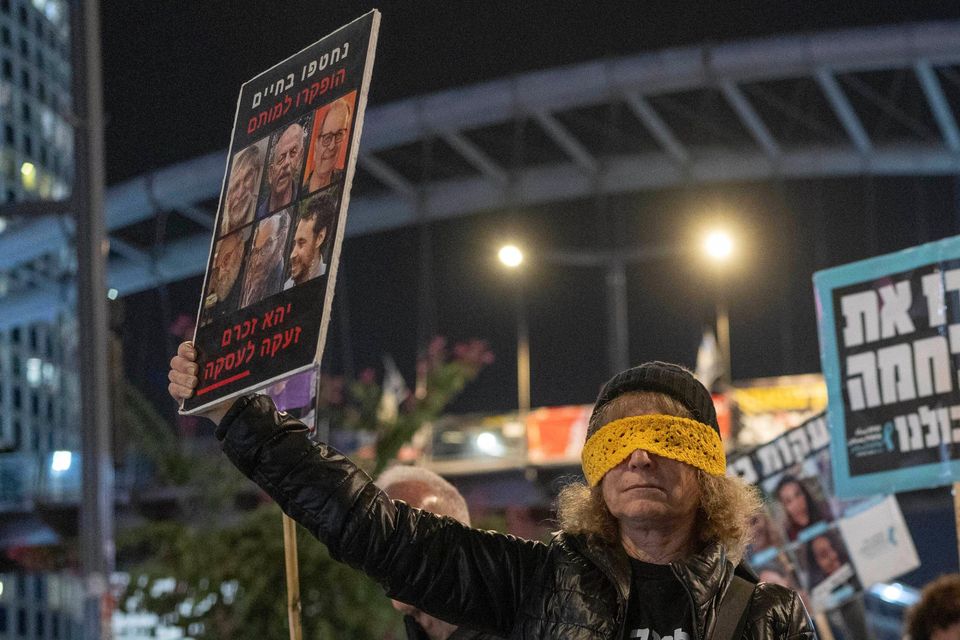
639 459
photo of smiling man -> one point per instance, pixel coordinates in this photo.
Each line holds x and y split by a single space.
243 187
310 239
328 146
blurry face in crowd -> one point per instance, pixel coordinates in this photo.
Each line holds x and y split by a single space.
947 633
330 139
306 250
826 556
795 503
421 496
775 577
285 164
226 265
761 535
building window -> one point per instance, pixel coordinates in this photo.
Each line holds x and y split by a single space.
22 622
24 47
27 113
5 35
7 69
28 145
23 16
25 81
8 134
5 6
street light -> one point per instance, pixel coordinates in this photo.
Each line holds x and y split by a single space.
511 256
719 246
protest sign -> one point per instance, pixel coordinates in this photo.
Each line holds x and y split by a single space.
889 339
273 257
806 538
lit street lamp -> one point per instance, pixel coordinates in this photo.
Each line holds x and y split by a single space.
511 257
719 246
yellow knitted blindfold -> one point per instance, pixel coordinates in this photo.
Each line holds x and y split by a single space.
682 439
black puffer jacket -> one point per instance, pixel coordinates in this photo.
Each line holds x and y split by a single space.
516 588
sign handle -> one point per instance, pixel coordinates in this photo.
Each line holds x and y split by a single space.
824 632
293 577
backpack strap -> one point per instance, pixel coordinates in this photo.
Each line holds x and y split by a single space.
732 612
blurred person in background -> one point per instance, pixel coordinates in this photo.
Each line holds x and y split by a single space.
937 615
423 489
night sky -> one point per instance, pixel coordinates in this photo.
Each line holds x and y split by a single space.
172 73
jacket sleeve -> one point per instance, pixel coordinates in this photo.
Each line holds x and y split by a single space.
462 575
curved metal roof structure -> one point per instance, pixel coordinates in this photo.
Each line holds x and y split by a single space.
878 101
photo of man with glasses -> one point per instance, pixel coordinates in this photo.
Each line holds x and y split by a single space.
331 133
265 266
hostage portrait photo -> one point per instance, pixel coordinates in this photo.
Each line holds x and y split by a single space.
327 155
263 276
284 167
243 187
830 576
222 294
801 500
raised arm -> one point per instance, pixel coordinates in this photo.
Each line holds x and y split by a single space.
451 571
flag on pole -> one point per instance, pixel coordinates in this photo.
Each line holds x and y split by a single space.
395 391
709 362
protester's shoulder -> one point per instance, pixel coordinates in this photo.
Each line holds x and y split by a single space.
773 595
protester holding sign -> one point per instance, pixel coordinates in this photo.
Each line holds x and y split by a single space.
650 548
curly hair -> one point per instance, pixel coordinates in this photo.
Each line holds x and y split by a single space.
726 503
939 608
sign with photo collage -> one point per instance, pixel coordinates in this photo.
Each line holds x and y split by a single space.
272 267
890 351
803 538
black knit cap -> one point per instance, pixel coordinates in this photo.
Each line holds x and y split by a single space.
662 377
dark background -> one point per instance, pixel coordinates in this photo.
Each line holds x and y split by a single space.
172 74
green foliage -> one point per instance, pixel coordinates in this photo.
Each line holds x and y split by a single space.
230 583
223 569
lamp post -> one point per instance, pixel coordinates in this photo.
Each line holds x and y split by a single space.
718 246
511 256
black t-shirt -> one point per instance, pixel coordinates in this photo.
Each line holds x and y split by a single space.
659 607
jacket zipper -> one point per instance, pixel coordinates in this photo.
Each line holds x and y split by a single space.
693 603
